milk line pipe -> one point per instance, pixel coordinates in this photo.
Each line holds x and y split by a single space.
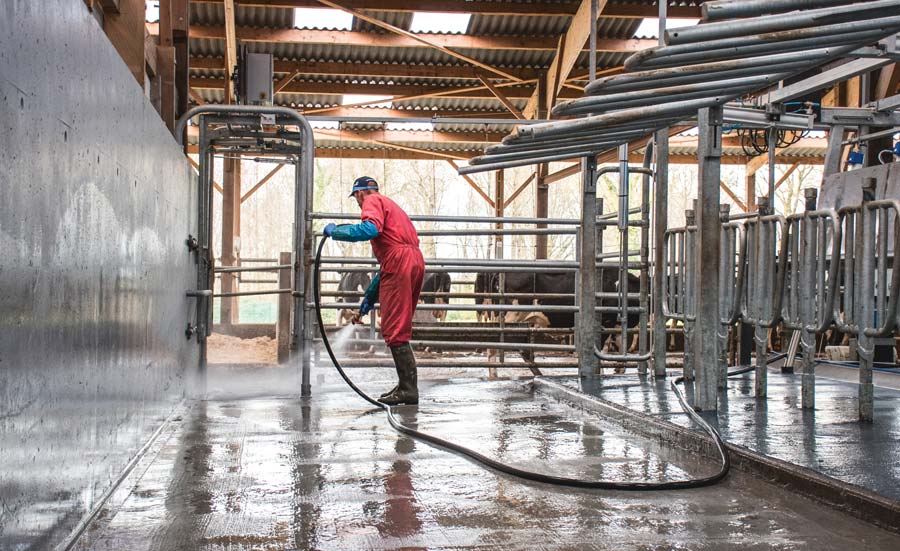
732 9
821 31
693 74
253 293
782 22
625 100
499 263
515 471
660 58
575 139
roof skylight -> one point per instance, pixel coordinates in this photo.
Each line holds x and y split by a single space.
649 27
152 11
409 126
322 18
431 22
377 101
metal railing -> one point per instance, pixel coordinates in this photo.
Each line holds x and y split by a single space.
678 285
732 271
811 283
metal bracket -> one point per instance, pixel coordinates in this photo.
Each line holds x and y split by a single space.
190 331
192 244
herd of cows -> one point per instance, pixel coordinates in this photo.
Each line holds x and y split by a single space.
436 289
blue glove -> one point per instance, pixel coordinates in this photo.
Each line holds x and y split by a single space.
371 295
329 229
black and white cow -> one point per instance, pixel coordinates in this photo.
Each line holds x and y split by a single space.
351 282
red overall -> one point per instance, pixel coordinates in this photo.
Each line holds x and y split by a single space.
402 266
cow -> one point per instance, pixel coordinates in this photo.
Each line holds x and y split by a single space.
351 282
438 283
563 283
483 285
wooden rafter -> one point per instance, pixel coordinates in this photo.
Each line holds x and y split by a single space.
519 190
888 81
564 173
625 10
194 164
474 186
358 38
515 90
434 136
734 197
393 70
262 182
230 50
501 97
786 175
196 97
568 50
417 38
282 84
470 91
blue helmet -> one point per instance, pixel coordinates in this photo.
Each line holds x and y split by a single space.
363 182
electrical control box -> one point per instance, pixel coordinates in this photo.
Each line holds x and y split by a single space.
254 78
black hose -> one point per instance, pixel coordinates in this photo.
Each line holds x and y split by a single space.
522 473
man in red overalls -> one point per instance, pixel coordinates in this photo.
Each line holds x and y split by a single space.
396 247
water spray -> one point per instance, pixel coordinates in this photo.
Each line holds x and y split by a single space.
516 471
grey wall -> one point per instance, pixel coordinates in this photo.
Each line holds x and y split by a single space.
96 201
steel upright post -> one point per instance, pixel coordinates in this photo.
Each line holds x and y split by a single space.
707 258
660 225
807 310
586 279
865 283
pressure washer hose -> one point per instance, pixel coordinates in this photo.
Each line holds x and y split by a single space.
522 473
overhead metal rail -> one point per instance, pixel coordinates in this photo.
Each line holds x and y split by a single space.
699 67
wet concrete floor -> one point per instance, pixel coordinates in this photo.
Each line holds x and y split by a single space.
329 473
828 439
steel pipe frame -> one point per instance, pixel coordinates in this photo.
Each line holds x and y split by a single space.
812 284
428 364
586 275
622 100
762 44
692 74
679 275
730 9
475 345
459 269
781 22
511 144
733 246
867 227
766 259
236 269
460 219
304 180
624 171
499 264
660 225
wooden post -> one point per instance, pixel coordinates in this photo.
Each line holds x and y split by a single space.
231 236
125 30
541 209
750 197
285 304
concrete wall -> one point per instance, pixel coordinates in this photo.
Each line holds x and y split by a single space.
96 200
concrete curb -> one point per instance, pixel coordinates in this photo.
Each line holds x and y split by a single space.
853 500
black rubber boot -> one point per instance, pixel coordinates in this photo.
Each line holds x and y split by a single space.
407 391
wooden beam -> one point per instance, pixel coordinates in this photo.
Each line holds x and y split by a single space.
125 30
399 92
626 10
434 136
564 173
474 185
357 38
165 63
734 197
888 81
194 164
386 113
413 36
519 190
391 70
571 46
501 97
786 175
230 51
196 97
109 6
262 182
282 84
